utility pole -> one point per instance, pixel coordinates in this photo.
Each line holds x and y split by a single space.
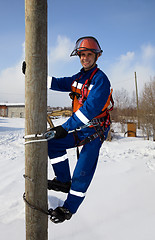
137 100
36 118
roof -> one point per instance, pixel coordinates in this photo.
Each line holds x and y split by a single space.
12 104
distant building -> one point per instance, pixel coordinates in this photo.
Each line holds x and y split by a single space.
12 110
17 110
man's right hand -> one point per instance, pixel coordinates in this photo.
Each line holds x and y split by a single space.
24 67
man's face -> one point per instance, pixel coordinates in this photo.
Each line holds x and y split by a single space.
87 59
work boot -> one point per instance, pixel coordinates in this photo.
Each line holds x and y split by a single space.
60 214
59 186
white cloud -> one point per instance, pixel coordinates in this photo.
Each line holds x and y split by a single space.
121 72
62 50
12 82
141 62
148 52
59 61
61 64
127 58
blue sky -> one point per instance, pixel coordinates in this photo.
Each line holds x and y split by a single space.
124 29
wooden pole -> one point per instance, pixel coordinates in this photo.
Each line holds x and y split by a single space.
137 100
36 117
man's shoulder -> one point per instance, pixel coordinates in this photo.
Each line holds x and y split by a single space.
100 75
76 75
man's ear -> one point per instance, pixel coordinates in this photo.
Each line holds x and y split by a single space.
79 54
98 55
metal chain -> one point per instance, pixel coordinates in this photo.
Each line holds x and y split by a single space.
34 207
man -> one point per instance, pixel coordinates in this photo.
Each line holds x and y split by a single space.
88 126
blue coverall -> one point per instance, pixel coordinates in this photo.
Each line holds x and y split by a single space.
86 164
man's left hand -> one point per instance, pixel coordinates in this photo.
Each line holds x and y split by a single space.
60 132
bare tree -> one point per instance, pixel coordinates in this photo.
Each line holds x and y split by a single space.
147 109
125 106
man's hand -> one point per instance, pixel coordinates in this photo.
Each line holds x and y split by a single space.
60 132
24 67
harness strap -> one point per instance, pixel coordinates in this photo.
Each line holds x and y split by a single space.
112 101
85 86
76 139
83 96
92 137
99 130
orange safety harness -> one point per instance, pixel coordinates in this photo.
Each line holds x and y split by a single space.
101 122
80 94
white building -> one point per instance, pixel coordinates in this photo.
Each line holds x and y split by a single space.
16 110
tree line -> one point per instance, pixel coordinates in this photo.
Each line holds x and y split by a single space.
126 108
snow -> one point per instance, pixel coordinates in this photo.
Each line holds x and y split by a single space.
119 205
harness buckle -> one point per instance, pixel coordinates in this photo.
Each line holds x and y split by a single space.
73 94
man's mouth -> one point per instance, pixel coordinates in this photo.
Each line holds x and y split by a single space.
86 63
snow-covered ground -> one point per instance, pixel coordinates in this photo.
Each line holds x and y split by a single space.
120 203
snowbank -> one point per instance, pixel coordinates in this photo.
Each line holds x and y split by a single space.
120 203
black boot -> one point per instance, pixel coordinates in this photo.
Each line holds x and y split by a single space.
58 186
60 214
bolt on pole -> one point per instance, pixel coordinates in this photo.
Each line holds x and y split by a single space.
36 118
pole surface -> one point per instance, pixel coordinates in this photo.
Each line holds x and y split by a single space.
36 117
137 100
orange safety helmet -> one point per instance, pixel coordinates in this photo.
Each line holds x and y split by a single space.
86 44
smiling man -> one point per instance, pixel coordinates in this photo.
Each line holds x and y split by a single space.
87 59
88 127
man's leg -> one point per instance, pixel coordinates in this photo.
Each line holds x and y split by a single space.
83 175
58 155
